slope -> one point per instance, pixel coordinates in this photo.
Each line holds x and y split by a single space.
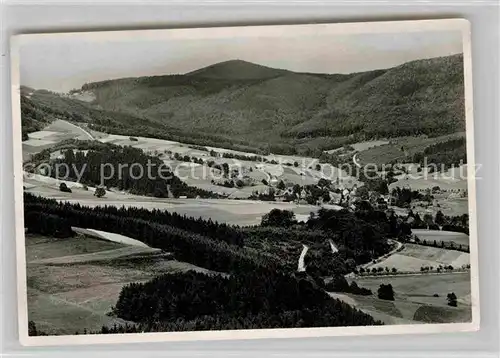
262 108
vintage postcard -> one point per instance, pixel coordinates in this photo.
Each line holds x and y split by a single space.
245 182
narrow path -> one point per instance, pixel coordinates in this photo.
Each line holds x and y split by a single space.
106 255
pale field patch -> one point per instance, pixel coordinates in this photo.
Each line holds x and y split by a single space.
423 183
41 247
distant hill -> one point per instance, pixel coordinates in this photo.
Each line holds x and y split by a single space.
293 112
237 70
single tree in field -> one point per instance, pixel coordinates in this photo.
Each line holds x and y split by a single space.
100 192
386 292
452 299
277 217
281 185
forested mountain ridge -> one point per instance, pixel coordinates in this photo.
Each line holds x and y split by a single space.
412 96
256 108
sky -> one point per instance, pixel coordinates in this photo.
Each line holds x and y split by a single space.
66 61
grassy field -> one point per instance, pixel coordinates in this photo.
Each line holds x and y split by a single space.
415 300
413 257
42 247
442 236
73 283
449 206
194 174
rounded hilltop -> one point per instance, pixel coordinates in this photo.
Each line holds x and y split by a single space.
237 70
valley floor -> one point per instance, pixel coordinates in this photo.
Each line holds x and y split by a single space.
236 212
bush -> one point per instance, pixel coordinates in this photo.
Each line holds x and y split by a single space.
385 292
64 188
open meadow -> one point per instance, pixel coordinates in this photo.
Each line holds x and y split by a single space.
73 283
185 185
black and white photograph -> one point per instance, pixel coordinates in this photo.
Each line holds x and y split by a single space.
245 182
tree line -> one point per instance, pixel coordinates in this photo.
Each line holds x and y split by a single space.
254 299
